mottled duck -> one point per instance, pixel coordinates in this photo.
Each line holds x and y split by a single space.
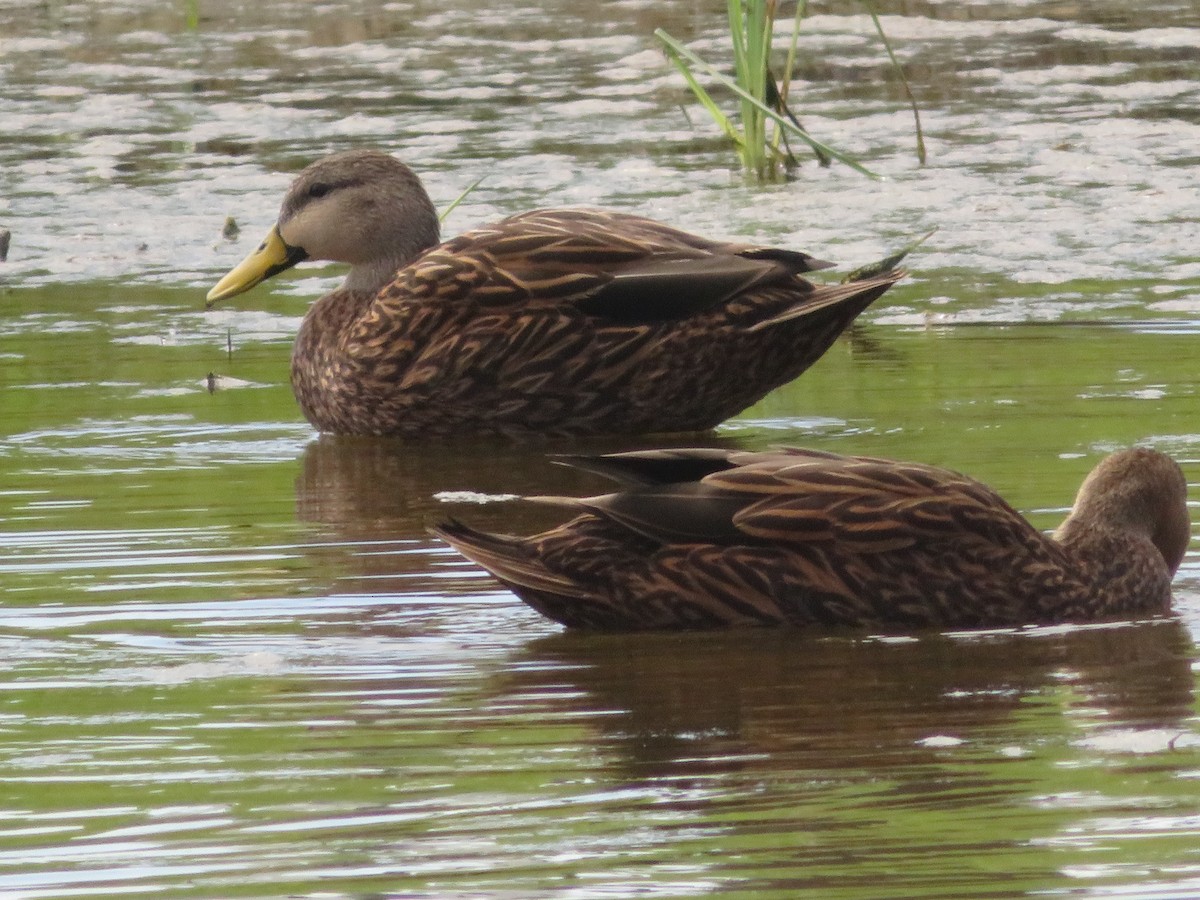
556 321
718 538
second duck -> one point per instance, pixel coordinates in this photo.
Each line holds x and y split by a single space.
707 538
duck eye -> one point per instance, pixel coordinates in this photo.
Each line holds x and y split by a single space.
318 189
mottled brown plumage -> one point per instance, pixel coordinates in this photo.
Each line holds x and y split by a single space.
712 538
555 321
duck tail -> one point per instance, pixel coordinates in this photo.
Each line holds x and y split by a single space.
509 559
854 296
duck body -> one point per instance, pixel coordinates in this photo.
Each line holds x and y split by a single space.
716 538
550 322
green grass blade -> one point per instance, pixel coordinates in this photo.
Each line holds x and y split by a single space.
737 34
695 61
887 45
789 65
706 100
742 36
888 262
785 83
460 198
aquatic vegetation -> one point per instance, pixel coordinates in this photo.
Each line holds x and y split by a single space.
466 192
766 153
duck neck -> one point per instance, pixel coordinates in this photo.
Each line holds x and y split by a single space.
369 278
1127 571
400 240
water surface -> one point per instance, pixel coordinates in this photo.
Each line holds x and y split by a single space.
236 665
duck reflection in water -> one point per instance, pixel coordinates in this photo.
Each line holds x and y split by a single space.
691 704
362 490
718 538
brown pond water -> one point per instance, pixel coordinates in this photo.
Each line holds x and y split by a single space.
235 665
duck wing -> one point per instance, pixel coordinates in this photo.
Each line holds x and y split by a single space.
850 505
615 267
863 507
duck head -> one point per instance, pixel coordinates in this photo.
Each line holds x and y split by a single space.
361 207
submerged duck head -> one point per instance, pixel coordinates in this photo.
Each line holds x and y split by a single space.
1138 492
360 207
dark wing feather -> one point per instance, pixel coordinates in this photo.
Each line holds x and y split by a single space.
660 289
666 466
793 259
692 513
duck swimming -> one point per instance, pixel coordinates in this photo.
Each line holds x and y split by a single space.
552 322
718 538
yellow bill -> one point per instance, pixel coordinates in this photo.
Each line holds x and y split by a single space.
273 256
